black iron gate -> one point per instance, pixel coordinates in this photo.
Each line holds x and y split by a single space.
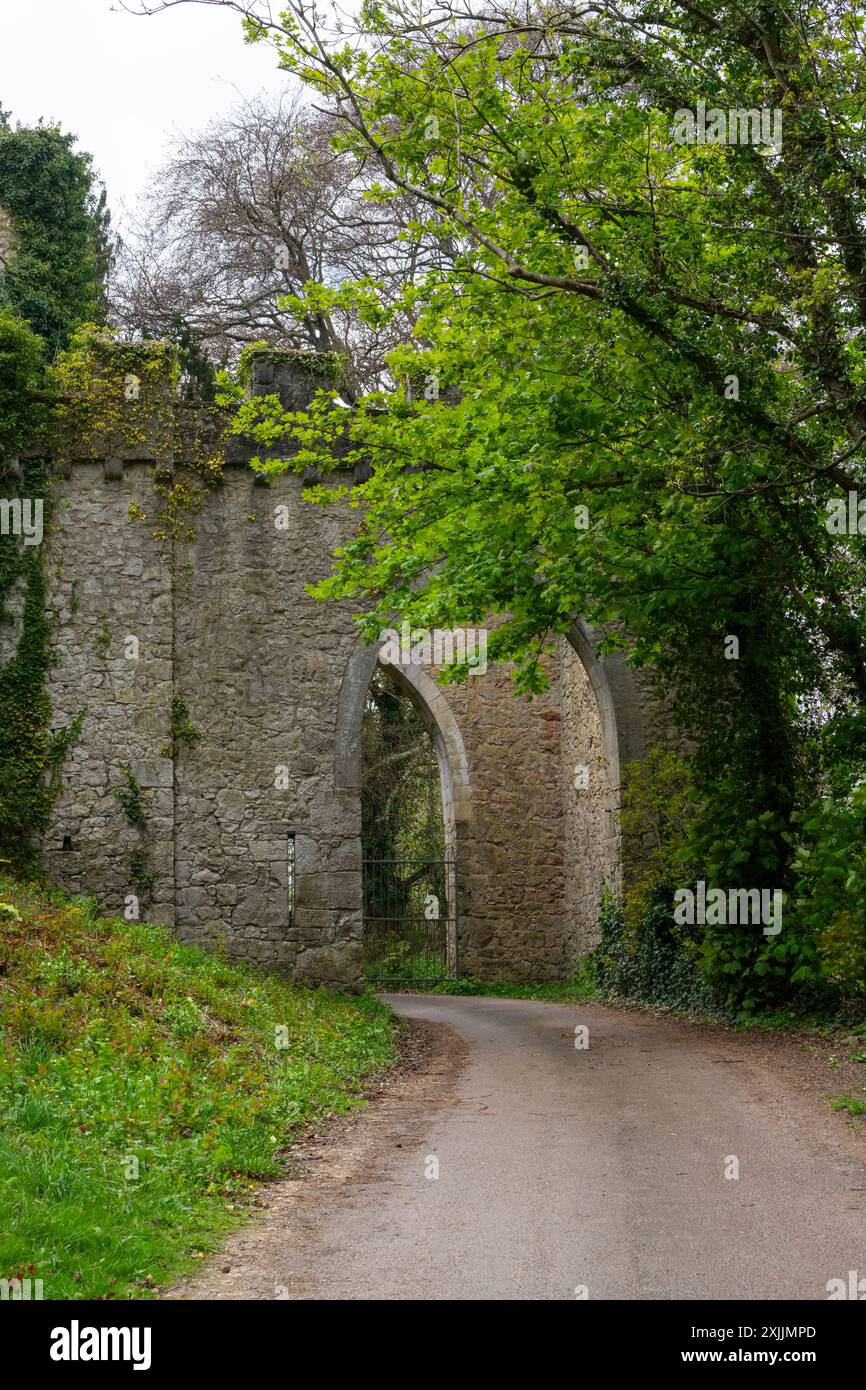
410 921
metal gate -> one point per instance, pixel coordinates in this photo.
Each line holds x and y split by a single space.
410 921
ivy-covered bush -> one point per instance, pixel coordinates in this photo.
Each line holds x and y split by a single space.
647 962
681 838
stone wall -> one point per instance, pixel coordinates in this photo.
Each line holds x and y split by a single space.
260 676
513 918
260 664
109 581
591 803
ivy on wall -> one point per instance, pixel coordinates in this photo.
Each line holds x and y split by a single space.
56 252
25 384
30 755
132 806
330 366
120 399
181 729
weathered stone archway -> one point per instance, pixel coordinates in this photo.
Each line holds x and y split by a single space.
431 703
596 703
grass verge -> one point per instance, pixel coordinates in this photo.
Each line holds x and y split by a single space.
583 987
579 988
146 1088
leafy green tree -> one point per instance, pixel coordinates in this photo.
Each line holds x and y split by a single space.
638 394
55 270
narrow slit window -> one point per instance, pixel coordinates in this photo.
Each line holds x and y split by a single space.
291 877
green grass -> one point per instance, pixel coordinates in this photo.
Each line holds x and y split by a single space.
580 988
851 1104
143 1093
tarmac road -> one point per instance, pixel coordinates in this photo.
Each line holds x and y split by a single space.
568 1172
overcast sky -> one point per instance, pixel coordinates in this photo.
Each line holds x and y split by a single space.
124 85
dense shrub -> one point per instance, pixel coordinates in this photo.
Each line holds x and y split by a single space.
648 963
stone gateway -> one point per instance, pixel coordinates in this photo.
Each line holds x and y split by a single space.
206 677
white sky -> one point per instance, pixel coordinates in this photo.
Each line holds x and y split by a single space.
125 85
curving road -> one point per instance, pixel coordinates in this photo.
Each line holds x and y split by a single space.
566 1172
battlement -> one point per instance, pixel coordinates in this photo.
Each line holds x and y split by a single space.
123 410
